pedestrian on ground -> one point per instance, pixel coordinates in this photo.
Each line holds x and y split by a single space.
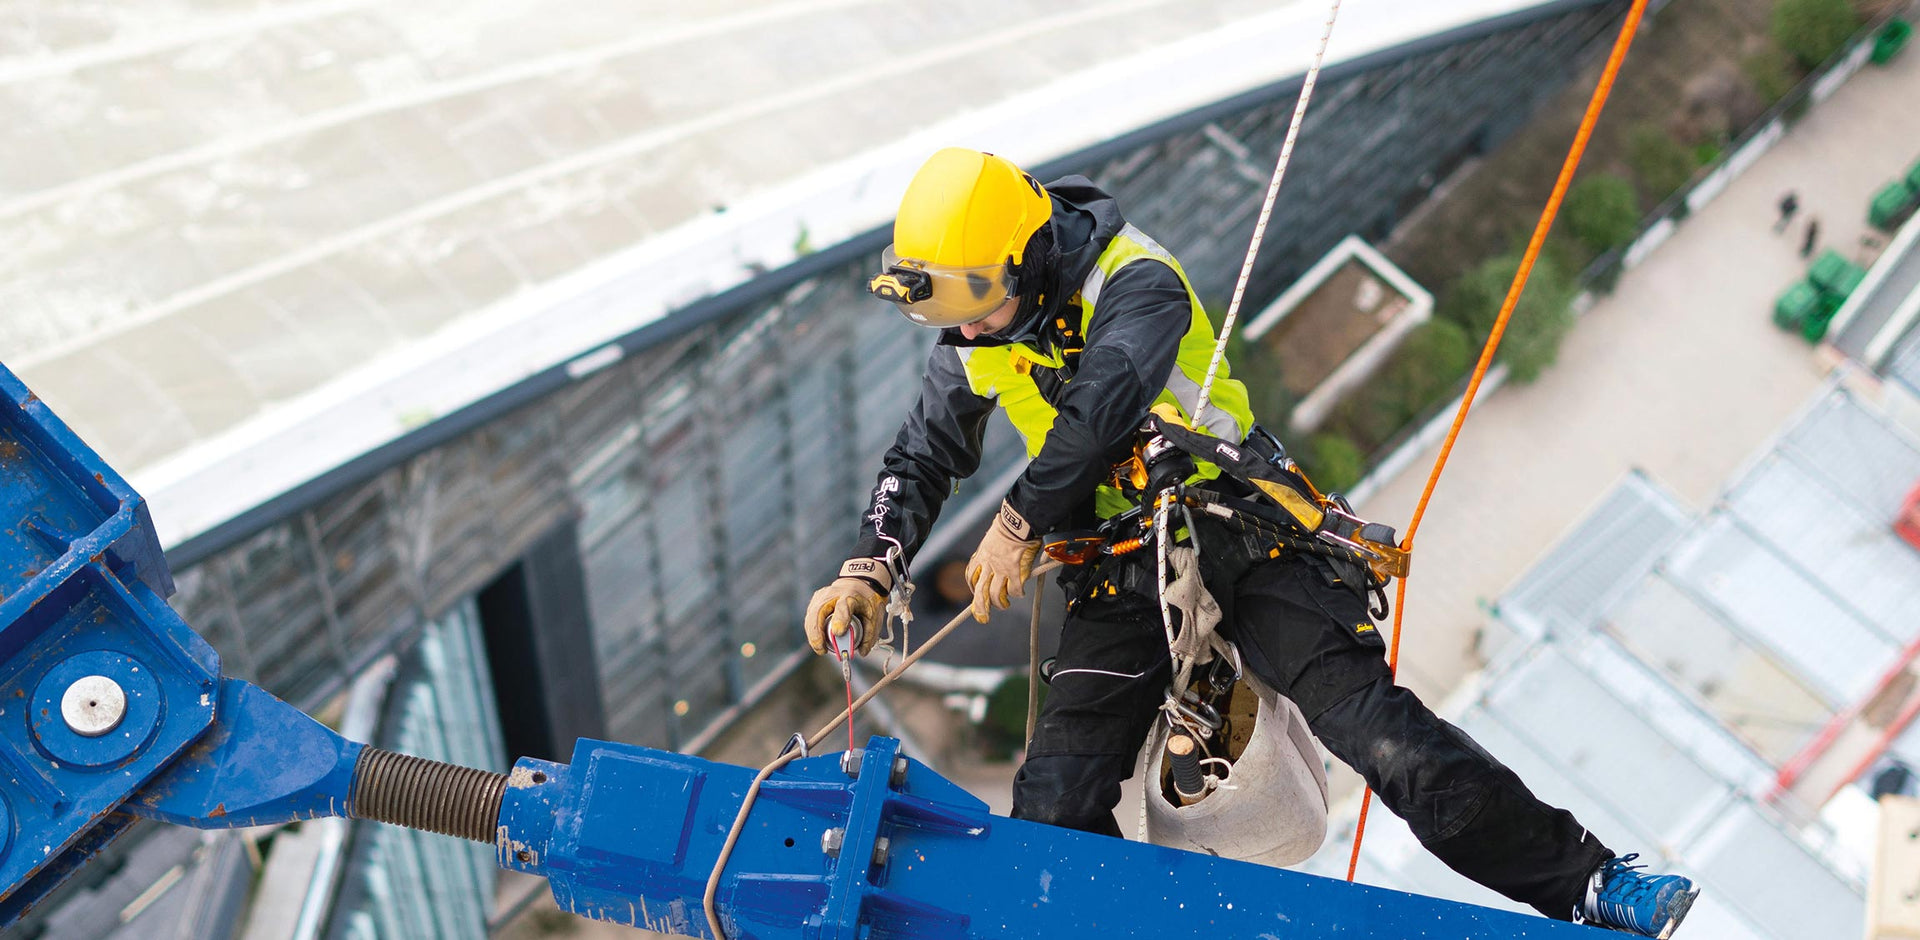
1789 204
1052 306
1812 239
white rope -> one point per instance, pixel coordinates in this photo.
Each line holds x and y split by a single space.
1146 786
1162 539
1266 210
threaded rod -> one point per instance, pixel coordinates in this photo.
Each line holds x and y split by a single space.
426 794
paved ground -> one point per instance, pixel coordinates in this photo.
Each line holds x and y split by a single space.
1678 372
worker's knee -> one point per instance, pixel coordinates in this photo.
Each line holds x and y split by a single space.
1073 791
1431 773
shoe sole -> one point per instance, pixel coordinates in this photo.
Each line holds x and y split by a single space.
1677 911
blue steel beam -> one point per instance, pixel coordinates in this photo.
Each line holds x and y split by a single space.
879 846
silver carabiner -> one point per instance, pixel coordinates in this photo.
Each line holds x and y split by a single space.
1349 544
1200 714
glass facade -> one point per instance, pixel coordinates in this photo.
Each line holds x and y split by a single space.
402 884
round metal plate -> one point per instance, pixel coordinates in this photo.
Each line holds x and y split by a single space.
139 713
93 706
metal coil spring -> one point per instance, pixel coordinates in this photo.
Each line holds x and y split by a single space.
426 794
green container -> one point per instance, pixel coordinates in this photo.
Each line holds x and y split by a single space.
1913 176
1834 275
1892 38
1815 326
1890 205
1795 305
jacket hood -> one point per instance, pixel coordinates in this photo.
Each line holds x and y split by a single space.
1085 219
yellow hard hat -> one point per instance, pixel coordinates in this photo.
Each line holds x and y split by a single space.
962 229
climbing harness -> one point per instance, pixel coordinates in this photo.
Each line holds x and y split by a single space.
1277 508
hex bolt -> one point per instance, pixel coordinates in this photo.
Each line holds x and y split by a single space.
830 841
850 762
880 847
93 706
898 778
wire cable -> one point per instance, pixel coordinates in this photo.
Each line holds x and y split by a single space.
1567 167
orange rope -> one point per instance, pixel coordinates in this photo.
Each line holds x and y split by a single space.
1539 239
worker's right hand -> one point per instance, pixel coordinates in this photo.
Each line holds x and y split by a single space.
857 596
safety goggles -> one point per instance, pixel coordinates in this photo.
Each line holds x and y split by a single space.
941 295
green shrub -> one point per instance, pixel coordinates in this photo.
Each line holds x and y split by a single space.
1771 73
1540 320
1423 369
1368 417
1337 464
1603 211
1813 30
1427 365
1660 163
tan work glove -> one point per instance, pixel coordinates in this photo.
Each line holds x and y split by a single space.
858 594
1000 566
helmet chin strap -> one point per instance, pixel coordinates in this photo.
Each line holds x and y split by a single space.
1031 278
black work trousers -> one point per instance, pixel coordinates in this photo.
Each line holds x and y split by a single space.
1313 641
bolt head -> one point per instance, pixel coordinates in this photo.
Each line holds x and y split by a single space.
880 847
899 775
831 840
93 706
850 761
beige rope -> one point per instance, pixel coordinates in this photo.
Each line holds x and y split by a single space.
1033 663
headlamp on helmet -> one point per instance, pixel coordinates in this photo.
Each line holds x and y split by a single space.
941 295
901 284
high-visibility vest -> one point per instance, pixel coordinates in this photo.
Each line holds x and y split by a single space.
1004 372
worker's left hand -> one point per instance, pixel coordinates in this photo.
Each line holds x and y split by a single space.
999 568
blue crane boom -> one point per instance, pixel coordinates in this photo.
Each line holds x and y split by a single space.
113 709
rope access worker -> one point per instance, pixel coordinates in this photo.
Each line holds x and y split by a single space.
1051 306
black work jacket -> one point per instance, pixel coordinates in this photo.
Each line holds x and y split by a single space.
1102 395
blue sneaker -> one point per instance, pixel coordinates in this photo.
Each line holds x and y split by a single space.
1618 896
